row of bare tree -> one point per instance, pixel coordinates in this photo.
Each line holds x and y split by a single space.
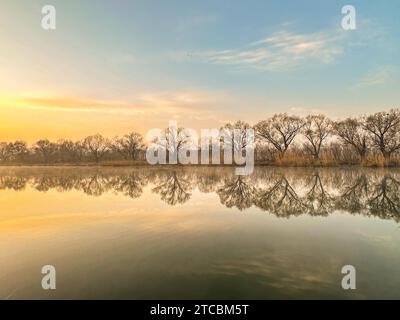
376 132
280 134
92 148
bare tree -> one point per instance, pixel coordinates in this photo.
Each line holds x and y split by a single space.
4 151
128 145
18 150
316 130
97 145
352 133
79 150
45 148
243 138
173 140
384 130
65 150
280 131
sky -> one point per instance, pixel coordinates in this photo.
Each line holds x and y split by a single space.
114 67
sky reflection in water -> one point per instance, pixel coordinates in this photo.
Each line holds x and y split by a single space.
199 232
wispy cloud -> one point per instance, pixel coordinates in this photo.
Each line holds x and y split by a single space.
304 111
282 51
377 76
151 103
74 104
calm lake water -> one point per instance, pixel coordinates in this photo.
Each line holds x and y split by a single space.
187 233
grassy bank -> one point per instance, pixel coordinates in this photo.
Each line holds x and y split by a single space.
286 161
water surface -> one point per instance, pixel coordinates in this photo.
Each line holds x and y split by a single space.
187 233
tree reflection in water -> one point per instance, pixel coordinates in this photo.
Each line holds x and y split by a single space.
280 198
282 192
318 200
354 195
173 188
384 201
237 192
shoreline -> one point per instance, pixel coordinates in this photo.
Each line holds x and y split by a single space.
143 164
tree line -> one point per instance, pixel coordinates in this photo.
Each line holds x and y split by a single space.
280 139
379 132
93 148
